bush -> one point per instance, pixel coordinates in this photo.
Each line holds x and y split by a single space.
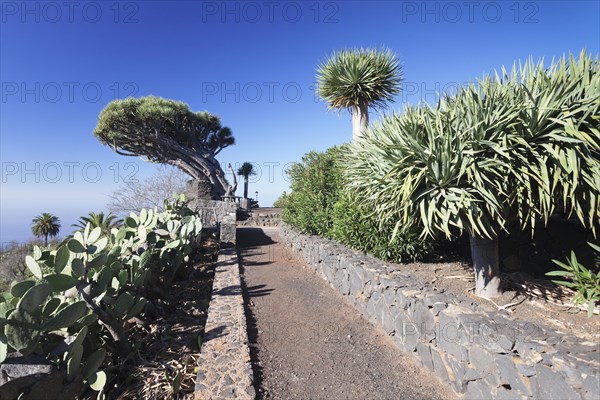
497 152
315 190
281 201
353 226
319 205
581 279
76 307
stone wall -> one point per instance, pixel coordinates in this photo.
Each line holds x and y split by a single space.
480 353
219 214
224 367
259 217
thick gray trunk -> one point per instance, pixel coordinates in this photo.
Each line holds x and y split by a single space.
360 119
484 253
245 187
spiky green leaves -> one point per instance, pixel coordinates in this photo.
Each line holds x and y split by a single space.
246 170
125 124
510 148
355 76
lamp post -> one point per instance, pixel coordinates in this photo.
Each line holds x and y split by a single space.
256 195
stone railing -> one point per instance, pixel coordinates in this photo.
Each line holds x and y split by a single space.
482 354
219 214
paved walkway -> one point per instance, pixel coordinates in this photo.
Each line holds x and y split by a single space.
307 342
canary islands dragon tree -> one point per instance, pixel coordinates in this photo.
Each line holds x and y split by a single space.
167 131
510 149
356 79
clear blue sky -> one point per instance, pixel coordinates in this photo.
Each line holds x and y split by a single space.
251 63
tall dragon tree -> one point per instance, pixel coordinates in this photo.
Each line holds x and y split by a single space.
356 79
167 131
509 150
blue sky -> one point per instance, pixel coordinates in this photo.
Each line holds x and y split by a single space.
251 63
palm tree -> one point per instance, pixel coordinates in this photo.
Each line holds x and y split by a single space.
104 222
357 79
45 225
246 170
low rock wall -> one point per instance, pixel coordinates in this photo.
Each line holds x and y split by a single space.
224 367
219 214
258 218
480 353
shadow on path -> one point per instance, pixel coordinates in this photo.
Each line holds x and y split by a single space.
307 342
250 242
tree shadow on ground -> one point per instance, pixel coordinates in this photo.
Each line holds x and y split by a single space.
252 238
249 242
252 291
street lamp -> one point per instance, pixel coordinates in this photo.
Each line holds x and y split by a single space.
256 195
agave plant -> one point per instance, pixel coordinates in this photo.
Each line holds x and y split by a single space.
356 79
494 153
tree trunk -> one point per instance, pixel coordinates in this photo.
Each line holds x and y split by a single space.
232 188
245 187
484 253
45 240
360 119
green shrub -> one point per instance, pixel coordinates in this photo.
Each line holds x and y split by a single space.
319 205
281 201
315 190
584 281
353 226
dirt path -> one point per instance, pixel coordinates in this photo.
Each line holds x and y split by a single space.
307 342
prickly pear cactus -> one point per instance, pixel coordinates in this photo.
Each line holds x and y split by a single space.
75 307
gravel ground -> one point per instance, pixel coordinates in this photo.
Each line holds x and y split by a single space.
307 342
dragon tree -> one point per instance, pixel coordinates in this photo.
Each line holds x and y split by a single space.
167 131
